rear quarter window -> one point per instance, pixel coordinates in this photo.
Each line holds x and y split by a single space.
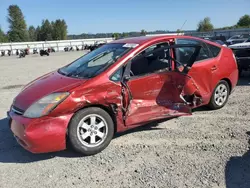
214 49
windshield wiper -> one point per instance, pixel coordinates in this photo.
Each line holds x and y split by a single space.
62 72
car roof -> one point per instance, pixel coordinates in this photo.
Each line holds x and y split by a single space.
145 39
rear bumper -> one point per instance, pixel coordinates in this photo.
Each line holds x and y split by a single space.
40 135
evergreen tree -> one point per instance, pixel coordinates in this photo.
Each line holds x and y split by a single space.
46 31
59 30
32 33
17 25
38 33
3 37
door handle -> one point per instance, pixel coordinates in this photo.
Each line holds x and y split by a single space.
214 68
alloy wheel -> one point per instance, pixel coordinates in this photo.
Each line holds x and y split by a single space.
221 94
92 130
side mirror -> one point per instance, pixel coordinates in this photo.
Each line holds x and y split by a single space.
126 78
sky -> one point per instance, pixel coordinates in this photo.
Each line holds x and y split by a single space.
97 16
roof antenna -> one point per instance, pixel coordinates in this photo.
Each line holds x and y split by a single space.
183 25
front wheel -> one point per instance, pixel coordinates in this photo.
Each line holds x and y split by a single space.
91 130
220 95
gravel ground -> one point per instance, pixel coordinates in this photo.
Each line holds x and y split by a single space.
207 149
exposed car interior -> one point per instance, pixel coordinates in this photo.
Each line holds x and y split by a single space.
157 61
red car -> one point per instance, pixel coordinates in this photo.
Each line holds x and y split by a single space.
119 86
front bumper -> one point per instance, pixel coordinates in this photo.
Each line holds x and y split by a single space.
40 135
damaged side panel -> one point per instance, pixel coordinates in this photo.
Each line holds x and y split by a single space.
160 96
107 95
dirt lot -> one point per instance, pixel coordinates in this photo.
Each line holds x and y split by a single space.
207 149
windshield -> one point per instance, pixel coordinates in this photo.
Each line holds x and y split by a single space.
95 62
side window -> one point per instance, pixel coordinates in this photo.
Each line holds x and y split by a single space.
183 54
157 61
214 49
117 75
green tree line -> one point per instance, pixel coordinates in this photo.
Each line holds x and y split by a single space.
18 31
206 25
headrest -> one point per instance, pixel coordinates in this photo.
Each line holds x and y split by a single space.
160 54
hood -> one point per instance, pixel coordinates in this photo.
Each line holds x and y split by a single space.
240 45
45 85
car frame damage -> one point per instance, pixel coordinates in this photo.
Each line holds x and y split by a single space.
184 93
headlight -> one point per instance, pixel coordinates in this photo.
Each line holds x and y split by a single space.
45 105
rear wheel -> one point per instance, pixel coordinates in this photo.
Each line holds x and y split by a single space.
220 95
91 130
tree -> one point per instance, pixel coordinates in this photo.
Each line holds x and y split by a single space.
17 25
59 30
38 33
143 32
46 31
124 35
3 37
244 21
32 33
205 25
115 35
64 30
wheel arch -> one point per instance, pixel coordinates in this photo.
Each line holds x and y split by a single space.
229 83
108 109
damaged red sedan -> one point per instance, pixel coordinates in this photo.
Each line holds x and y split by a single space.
121 85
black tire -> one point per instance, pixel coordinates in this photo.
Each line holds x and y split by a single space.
75 142
212 104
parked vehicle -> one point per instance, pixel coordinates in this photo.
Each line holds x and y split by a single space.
237 39
27 51
86 47
17 52
44 52
242 54
96 45
119 86
3 53
22 53
35 51
216 38
220 42
53 50
9 52
66 49
77 49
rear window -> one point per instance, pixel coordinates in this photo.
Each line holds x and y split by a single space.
214 49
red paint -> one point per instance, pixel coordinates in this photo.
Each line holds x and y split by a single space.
154 96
